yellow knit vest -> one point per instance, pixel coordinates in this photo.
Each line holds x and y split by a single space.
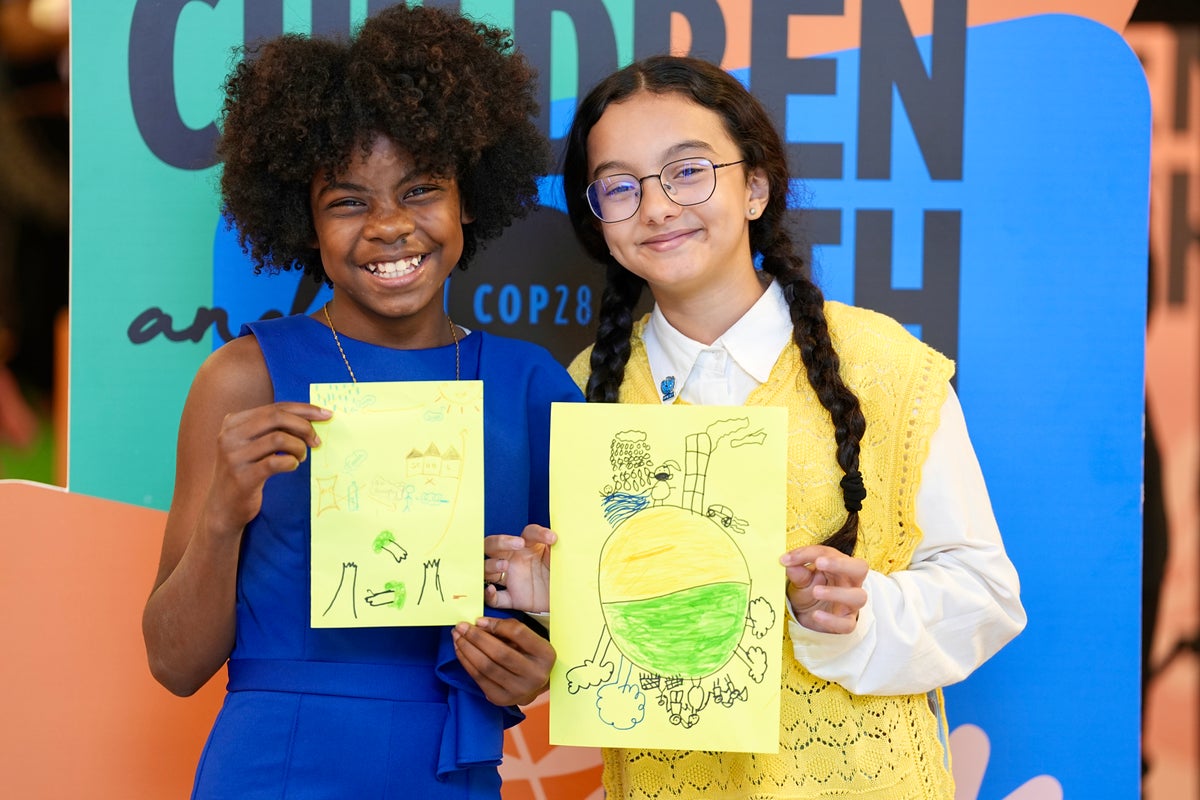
833 744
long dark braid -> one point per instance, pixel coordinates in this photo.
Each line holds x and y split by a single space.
751 127
811 335
610 354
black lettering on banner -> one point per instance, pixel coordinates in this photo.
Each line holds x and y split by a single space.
816 227
261 20
154 320
331 17
652 28
933 100
375 6
821 225
934 306
595 40
306 293
774 76
152 87
889 57
152 37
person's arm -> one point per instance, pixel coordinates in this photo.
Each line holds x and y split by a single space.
231 439
955 606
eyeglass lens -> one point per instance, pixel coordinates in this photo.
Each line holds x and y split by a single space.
688 182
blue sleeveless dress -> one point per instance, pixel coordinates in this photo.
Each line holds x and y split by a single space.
370 712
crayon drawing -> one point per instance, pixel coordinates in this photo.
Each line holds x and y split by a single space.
666 588
397 504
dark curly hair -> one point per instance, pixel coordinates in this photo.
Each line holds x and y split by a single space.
751 128
452 92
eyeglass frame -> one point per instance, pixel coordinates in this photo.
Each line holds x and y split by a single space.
587 192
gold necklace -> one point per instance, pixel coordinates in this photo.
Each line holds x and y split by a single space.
346 361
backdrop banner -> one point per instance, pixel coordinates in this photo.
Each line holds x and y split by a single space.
980 175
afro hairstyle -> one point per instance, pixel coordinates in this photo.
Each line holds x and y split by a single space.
451 92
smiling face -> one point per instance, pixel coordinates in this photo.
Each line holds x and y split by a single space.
389 237
683 252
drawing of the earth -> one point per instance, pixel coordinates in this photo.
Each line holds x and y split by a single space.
674 590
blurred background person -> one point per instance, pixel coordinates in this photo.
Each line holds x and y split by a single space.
34 212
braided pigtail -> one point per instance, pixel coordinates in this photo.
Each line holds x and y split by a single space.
821 362
748 124
622 290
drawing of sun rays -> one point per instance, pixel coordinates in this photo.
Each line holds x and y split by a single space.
458 399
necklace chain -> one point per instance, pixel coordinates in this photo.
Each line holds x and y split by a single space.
350 369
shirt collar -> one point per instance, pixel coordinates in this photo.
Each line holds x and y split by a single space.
754 342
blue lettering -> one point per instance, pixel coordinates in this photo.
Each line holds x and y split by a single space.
510 304
560 317
507 303
583 305
539 298
480 293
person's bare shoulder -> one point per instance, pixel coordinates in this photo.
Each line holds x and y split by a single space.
233 378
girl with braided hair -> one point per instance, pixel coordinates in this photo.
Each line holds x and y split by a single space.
897 580
377 164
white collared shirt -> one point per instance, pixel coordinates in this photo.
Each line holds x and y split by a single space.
926 626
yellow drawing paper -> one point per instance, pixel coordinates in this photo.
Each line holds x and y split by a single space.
666 592
397 504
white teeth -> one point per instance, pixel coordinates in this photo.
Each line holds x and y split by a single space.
394 269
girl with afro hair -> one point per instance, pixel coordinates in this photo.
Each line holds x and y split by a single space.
376 164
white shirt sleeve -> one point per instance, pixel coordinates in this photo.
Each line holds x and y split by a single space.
955 606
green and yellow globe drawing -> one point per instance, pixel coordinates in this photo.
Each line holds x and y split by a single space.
674 590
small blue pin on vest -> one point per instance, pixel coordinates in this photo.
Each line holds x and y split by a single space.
668 388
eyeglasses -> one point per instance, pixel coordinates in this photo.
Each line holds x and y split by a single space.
687 182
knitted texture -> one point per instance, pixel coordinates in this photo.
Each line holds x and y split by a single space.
833 744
